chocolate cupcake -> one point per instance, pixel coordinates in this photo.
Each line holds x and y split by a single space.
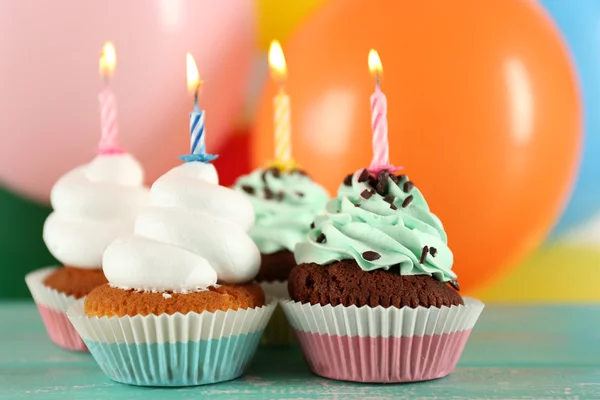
285 203
376 268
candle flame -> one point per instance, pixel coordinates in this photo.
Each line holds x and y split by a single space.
108 59
193 78
277 61
375 63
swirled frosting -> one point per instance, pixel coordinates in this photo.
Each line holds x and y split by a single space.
285 204
381 222
93 204
193 234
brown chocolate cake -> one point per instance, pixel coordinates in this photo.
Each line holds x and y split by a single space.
344 282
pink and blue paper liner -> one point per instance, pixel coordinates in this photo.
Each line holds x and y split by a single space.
173 350
382 345
52 306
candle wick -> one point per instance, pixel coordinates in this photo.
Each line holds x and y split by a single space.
196 97
377 81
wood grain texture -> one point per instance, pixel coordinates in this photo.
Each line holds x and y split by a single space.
514 352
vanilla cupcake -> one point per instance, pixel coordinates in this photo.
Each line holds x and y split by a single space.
180 288
93 204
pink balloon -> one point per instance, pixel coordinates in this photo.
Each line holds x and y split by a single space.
49 81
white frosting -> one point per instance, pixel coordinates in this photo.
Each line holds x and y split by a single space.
194 234
93 204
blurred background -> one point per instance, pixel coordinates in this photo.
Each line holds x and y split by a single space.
491 106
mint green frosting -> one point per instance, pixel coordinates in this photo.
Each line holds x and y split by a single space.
397 235
285 204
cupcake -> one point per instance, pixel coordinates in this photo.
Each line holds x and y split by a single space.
180 307
93 204
374 297
285 202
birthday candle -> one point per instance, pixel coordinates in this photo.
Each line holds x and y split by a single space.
381 156
108 103
197 129
281 106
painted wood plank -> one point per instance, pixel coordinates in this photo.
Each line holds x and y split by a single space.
514 352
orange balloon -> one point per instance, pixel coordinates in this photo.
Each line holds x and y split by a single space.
483 112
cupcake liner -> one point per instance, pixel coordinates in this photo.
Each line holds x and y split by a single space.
52 306
385 345
278 331
173 350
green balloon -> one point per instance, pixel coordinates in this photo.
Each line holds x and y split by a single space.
21 246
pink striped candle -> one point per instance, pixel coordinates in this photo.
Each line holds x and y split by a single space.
381 152
108 103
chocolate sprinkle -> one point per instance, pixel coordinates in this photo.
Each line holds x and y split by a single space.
372 181
269 194
394 178
275 172
348 180
371 255
248 189
321 238
389 199
407 201
312 225
382 182
408 186
401 177
357 205
455 285
279 196
263 176
424 254
364 176
433 251
366 194
393 206
300 194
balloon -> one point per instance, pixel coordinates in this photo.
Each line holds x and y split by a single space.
49 80
234 157
21 246
542 278
579 22
277 19
483 112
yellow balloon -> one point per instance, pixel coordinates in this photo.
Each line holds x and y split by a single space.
278 18
556 273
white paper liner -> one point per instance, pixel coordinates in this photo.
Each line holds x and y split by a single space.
382 322
164 328
276 289
45 295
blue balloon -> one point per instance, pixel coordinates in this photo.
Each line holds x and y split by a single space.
579 22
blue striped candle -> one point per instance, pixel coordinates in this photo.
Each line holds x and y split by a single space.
197 145
197 139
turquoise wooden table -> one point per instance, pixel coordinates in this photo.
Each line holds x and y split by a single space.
514 352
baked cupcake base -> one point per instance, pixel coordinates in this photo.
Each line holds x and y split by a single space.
275 267
76 282
173 349
382 345
106 301
344 282
273 278
52 305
